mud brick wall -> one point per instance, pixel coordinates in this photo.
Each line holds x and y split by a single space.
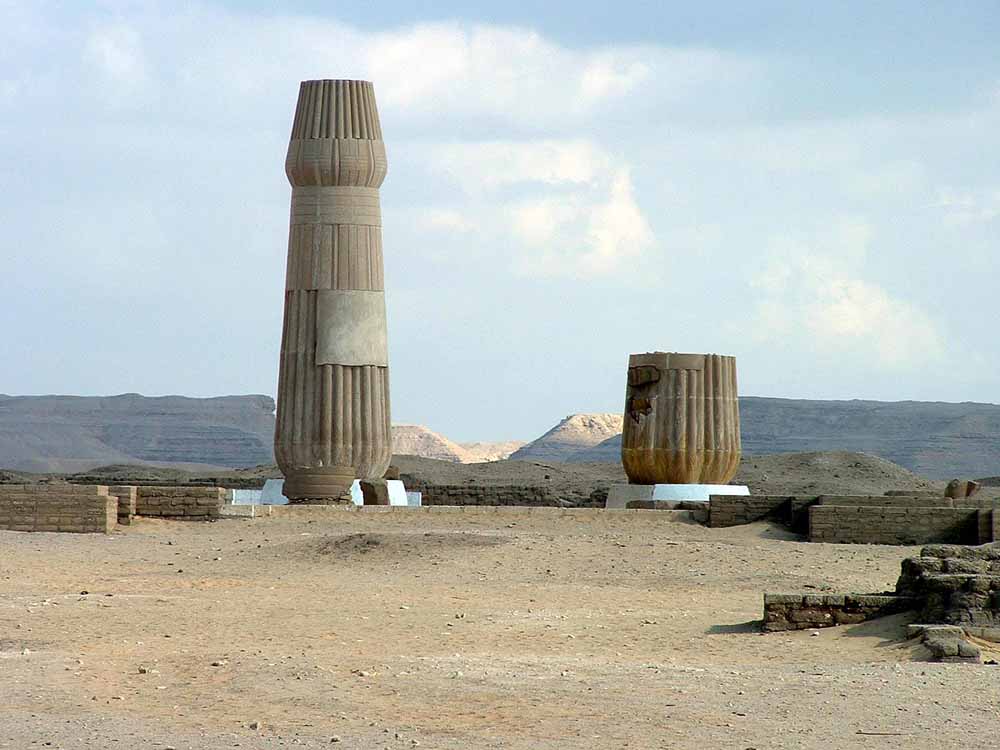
957 585
808 611
909 501
466 494
57 507
126 495
845 524
736 510
183 503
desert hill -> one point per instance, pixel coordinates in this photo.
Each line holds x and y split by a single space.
572 435
417 440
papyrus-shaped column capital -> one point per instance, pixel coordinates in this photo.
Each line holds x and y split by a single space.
336 137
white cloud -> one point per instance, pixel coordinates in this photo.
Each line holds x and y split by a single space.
492 164
583 236
537 222
445 219
117 52
813 296
969 206
608 76
519 76
511 154
582 219
617 231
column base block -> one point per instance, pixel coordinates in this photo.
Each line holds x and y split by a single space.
667 495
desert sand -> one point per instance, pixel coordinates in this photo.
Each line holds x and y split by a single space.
459 629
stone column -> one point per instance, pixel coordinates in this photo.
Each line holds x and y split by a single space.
333 382
682 419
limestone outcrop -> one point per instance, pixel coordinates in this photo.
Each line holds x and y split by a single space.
417 440
572 435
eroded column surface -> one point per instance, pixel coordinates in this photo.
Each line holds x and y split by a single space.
333 382
682 419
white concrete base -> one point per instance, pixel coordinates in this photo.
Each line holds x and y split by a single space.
397 493
620 495
272 494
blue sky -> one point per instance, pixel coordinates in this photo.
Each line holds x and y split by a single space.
814 190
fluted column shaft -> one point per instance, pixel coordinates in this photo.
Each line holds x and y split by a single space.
682 419
333 420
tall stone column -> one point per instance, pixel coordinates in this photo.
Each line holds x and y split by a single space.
333 382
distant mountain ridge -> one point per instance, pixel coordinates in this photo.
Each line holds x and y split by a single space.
66 434
72 433
935 439
76 433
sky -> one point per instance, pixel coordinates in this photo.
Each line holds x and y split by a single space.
815 190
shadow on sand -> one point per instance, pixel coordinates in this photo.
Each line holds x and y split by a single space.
752 626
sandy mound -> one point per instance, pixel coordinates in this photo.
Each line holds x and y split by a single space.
834 473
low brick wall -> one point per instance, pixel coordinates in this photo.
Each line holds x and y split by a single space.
57 507
859 524
908 501
913 518
471 494
808 611
184 503
736 510
126 495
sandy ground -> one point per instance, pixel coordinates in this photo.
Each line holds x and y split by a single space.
458 630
